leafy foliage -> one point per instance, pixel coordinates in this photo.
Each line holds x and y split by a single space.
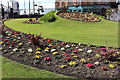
49 17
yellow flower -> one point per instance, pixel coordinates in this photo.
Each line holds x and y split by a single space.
114 54
37 56
97 55
45 38
55 53
73 45
38 49
50 45
118 52
112 66
1 42
47 48
72 63
63 66
38 52
82 60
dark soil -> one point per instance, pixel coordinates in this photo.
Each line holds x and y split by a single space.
75 51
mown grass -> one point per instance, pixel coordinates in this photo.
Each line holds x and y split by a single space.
72 31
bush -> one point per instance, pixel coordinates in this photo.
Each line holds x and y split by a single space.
49 17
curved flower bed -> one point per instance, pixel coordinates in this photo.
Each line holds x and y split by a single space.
79 17
72 59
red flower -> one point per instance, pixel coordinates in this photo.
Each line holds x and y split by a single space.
104 68
98 50
23 39
89 65
65 54
67 58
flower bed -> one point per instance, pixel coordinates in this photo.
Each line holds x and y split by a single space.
72 59
32 21
79 17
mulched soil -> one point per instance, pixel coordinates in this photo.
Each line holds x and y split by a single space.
72 59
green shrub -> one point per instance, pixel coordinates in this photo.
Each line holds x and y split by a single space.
49 17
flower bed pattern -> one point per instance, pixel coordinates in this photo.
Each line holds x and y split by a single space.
72 59
79 17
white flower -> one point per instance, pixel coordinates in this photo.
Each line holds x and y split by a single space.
7 32
62 48
19 37
67 46
30 50
80 49
89 51
79 44
15 49
97 63
52 50
46 50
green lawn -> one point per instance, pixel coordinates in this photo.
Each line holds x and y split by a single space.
66 30
74 31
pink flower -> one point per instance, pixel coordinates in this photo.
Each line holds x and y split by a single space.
110 51
89 65
49 40
104 53
28 36
103 48
30 40
75 51
47 58
65 54
63 43
49 63
5 39
67 58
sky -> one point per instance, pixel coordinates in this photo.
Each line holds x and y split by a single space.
44 3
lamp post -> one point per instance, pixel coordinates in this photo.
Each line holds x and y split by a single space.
29 8
24 7
8 9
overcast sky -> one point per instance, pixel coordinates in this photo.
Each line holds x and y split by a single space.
44 3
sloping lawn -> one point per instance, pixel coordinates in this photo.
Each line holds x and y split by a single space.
72 31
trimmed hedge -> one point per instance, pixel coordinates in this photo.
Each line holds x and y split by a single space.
49 17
